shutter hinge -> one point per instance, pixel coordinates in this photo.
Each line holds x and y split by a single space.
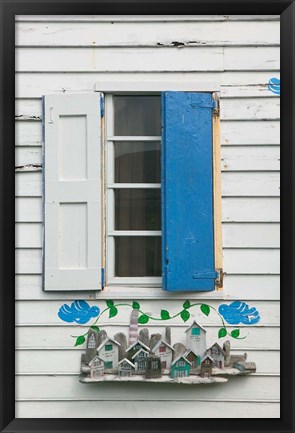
219 279
101 105
102 278
216 104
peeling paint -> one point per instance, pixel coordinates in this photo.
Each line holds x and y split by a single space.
29 167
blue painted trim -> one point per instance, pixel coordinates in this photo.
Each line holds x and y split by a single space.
187 192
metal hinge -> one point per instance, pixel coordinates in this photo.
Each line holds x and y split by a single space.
102 278
219 279
101 105
216 104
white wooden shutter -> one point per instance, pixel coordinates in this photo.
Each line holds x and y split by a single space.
72 192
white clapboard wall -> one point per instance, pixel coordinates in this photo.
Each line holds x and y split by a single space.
60 54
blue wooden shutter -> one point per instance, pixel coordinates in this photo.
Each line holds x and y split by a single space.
187 192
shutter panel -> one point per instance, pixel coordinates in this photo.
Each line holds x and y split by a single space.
187 192
72 192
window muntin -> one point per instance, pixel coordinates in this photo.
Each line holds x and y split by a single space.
133 190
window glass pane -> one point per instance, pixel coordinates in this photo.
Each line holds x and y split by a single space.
137 209
138 256
137 162
137 115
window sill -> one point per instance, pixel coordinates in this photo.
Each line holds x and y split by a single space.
127 292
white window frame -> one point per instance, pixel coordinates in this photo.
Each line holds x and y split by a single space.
109 89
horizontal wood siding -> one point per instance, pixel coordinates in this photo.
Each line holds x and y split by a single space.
60 54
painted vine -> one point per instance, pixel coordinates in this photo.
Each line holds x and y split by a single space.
236 312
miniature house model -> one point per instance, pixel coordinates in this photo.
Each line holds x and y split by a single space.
196 339
165 352
217 354
96 367
109 352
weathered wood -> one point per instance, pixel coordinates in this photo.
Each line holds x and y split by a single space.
154 34
29 184
122 409
108 59
234 209
148 59
231 109
235 287
256 158
64 387
68 361
58 337
143 18
233 84
233 158
232 133
236 261
45 313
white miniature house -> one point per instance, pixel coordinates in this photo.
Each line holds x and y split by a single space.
196 339
165 352
96 367
109 352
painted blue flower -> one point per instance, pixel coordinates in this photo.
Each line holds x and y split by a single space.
79 312
239 312
274 85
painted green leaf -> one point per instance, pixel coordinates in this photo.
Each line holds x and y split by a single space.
110 303
143 319
113 312
205 309
235 333
80 340
135 305
185 315
222 332
96 328
186 305
165 315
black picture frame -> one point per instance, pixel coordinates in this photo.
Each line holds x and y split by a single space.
10 8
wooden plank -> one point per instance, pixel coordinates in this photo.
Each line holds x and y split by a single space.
250 109
69 361
149 34
239 261
236 287
234 209
254 158
232 133
28 209
59 337
235 261
253 235
233 84
45 313
124 59
25 156
28 134
249 59
143 18
29 184
231 109
247 209
233 158
250 133
250 184
65 387
124 409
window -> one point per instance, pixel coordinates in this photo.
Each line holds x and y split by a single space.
133 184
162 349
196 331
108 347
130 189
108 364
